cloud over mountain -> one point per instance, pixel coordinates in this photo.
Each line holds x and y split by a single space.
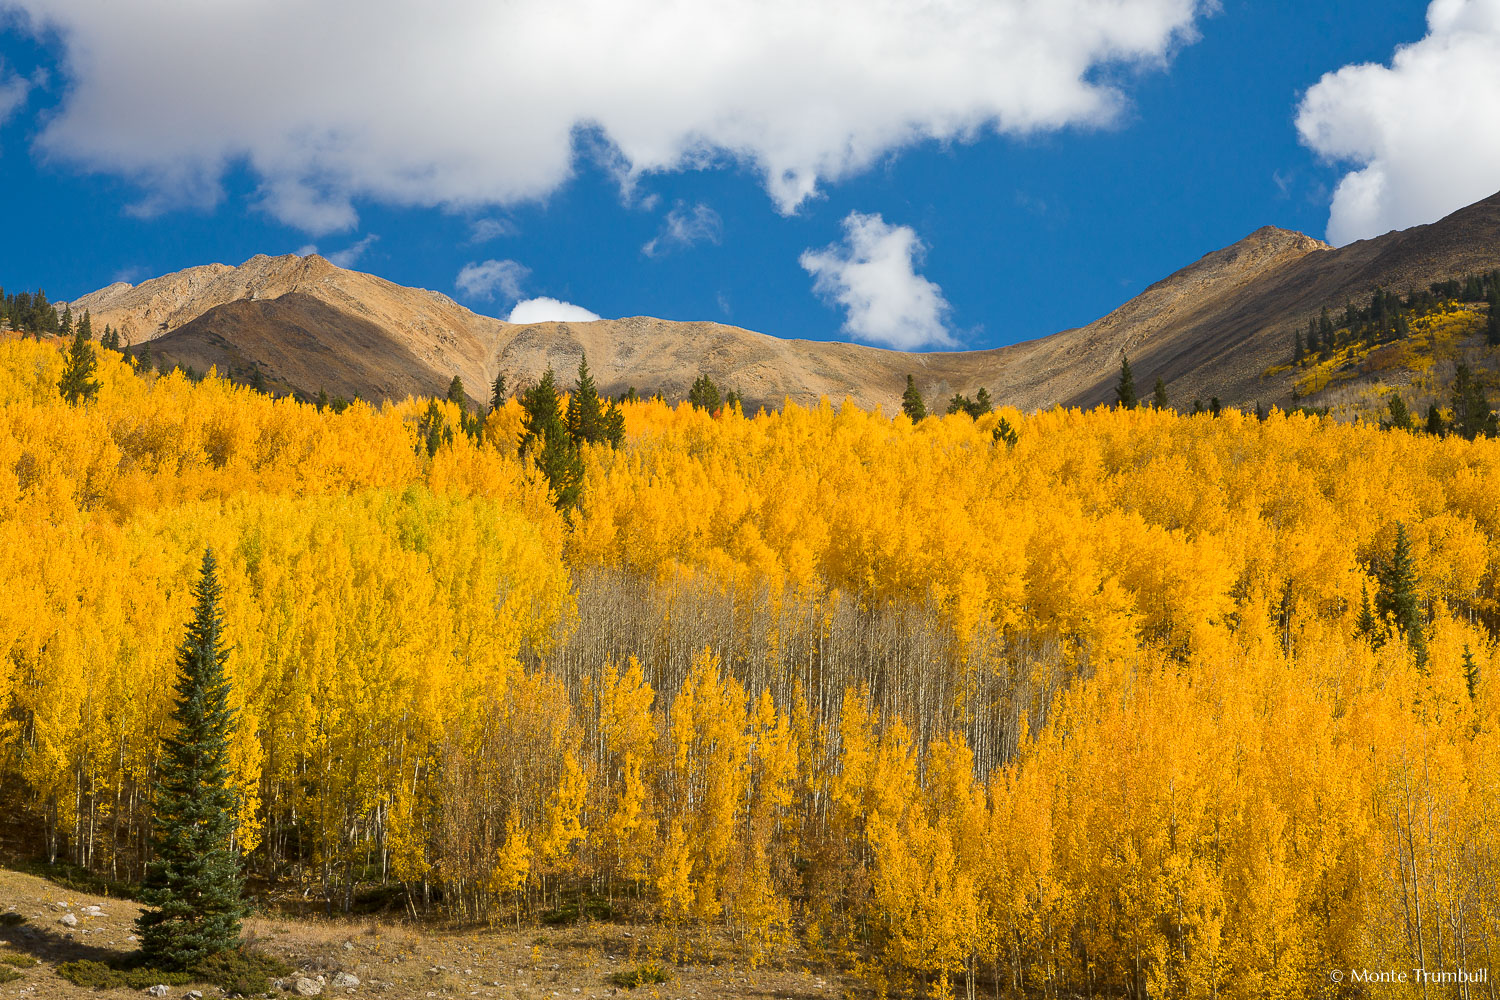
872 274
464 103
1420 131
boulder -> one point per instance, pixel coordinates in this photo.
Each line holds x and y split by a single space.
304 987
159 990
345 979
68 920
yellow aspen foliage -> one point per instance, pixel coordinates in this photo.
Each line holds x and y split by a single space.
1097 712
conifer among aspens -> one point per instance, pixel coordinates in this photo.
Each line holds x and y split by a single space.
193 883
77 383
1126 389
911 401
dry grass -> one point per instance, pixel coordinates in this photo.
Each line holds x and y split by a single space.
394 957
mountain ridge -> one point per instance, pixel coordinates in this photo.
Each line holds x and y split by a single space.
1213 327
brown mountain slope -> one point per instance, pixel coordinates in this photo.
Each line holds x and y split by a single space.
1210 329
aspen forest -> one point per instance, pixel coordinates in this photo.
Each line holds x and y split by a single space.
1119 703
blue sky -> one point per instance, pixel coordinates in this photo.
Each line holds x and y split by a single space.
1071 184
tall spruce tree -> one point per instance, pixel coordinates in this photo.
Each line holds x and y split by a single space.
1471 672
457 395
77 383
497 393
912 404
911 401
1159 394
193 881
585 412
1398 598
1471 405
1125 391
1400 413
704 394
546 441
614 424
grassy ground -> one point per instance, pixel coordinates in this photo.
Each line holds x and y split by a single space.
390 957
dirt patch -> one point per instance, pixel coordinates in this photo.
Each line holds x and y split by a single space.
390 957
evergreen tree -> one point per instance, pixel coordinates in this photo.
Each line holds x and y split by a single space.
1434 425
432 429
143 361
1004 432
546 441
77 382
86 326
1214 406
585 412
1125 391
1368 625
1400 415
67 321
457 395
1299 348
911 401
1398 599
704 394
192 885
497 393
322 400
1471 407
614 425
258 381
1471 672
982 404
1492 336
1159 394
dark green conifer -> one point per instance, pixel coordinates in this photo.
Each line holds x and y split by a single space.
1471 672
1368 625
1159 394
77 383
1125 391
704 394
497 393
1471 406
911 401
1400 414
585 412
322 400
193 882
545 440
1398 597
1434 425
614 424
456 394
1005 433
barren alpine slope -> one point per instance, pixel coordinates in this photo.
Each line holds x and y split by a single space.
1210 329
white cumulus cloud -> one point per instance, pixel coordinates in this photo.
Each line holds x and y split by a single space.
468 103
1420 131
490 278
685 226
545 310
872 274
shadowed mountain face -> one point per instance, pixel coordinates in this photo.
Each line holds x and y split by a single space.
1210 329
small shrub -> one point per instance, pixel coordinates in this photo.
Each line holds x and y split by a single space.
9 975
243 972
646 974
16 959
